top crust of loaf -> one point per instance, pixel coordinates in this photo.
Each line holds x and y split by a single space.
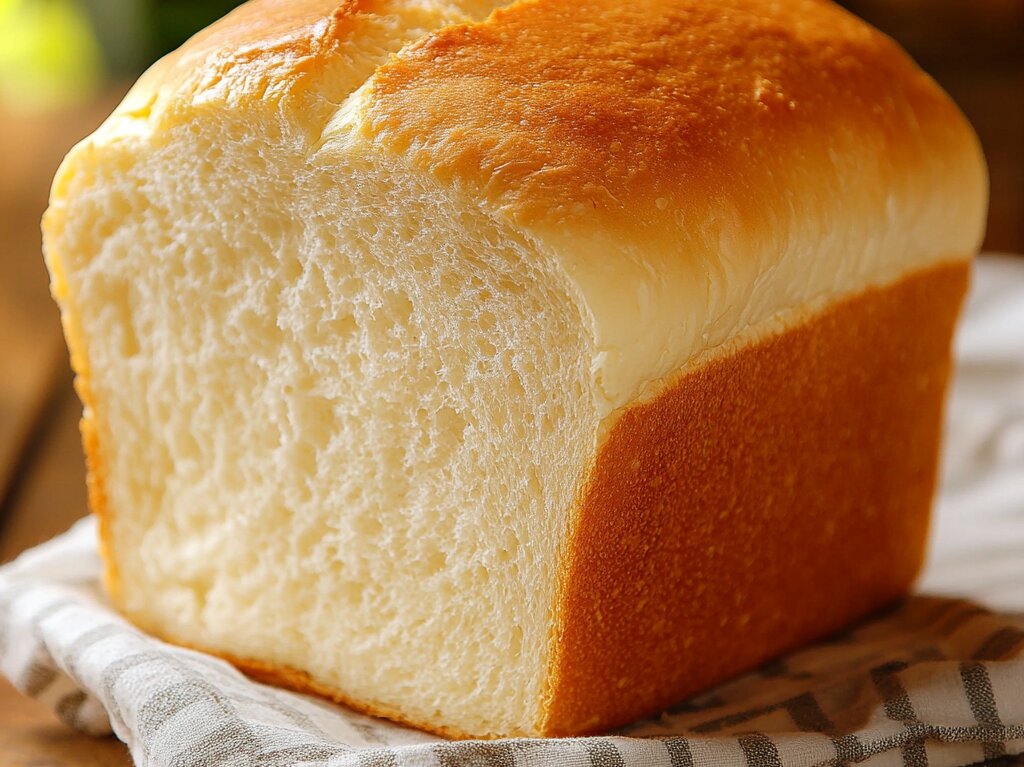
602 111
709 172
268 53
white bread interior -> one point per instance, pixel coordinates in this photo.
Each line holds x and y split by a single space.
344 408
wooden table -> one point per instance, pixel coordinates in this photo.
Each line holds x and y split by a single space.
42 477
42 488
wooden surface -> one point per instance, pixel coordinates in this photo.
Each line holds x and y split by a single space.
50 496
41 473
42 479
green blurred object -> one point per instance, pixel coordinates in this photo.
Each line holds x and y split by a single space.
174 21
135 33
122 28
49 56
55 53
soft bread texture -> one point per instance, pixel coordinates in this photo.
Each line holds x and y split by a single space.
479 366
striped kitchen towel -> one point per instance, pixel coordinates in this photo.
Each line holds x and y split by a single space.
935 682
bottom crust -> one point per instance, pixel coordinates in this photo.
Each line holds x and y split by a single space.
766 500
760 502
300 681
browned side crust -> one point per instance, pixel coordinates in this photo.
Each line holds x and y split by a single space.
96 484
763 501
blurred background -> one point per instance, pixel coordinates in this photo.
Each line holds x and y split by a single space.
65 63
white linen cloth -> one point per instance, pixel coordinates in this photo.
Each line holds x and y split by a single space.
939 681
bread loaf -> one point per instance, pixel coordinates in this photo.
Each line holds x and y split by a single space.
515 368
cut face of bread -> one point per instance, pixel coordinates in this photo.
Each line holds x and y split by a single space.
474 369
337 458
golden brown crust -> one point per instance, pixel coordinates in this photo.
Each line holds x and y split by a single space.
310 54
648 113
756 504
96 478
264 48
